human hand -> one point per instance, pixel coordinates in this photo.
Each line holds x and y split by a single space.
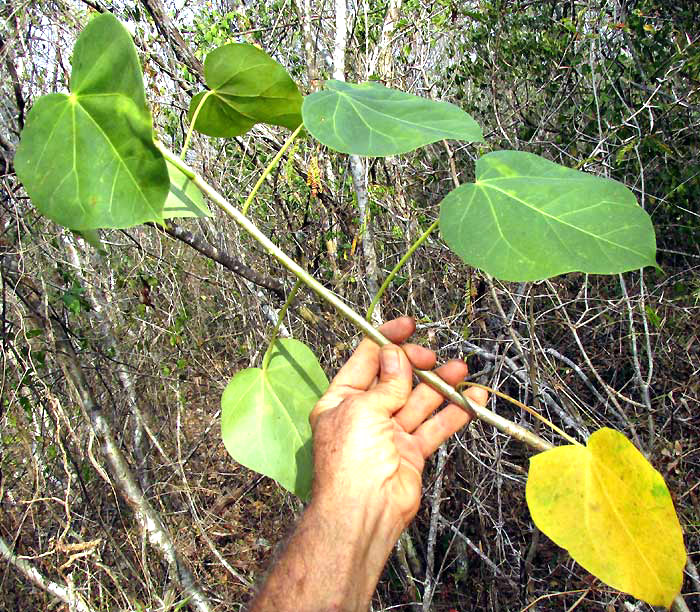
373 430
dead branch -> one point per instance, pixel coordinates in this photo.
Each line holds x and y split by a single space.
122 476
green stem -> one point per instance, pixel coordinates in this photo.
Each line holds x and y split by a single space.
398 266
430 378
194 120
280 318
269 169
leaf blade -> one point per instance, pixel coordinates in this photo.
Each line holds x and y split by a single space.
610 508
184 198
87 159
271 406
247 87
374 121
526 218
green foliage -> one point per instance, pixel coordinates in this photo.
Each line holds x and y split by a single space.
265 414
178 327
375 121
87 159
526 218
612 511
184 198
246 86
592 68
73 299
653 316
213 28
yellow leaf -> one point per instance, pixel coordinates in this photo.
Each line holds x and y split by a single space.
611 510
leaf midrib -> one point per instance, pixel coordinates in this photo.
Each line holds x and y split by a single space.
422 126
618 516
557 220
264 374
116 154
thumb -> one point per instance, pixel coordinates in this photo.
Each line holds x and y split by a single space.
395 381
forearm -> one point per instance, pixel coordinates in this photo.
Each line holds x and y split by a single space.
332 562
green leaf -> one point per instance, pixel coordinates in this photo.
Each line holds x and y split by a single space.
87 160
612 511
653 316
184 198
265 415
526 218
246 86
375 121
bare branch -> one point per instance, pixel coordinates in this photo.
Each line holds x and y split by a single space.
171 34
66 595
123 477
230 263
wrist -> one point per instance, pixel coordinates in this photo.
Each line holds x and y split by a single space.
365 532
334 559
362 521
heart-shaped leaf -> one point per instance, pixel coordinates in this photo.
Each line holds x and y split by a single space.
526 218
265 415
184 198
246 86
87 160
375 121
612 511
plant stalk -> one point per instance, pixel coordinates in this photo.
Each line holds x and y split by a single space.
186 144
430 378
269 168
280 318
398 266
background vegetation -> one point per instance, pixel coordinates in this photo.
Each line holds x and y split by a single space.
155 329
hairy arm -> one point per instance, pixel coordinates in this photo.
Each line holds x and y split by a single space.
332 562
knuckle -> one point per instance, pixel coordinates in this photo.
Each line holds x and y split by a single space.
397 390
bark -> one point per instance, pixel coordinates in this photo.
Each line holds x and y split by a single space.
357 168
66 595
436 495
198 243
7 153
328 217
382 60
16 86
304 10
169 31
100 312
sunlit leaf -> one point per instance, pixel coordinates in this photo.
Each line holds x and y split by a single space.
526 218
375 121
246 87
184 198
611 510
87 159
265 415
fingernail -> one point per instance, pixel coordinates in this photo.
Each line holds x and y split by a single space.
390 359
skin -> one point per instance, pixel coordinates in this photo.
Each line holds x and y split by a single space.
372 431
